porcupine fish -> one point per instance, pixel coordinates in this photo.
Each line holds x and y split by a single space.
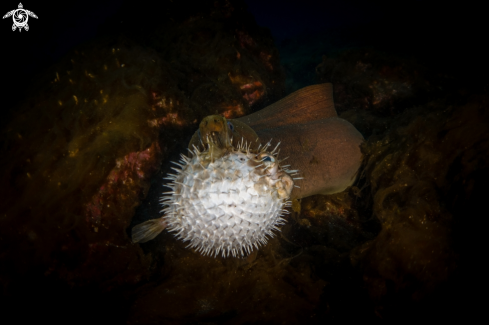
233 219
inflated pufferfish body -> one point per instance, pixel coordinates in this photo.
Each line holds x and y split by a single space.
323 146
224 199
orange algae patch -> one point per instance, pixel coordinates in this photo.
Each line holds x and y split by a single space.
233 111
251 90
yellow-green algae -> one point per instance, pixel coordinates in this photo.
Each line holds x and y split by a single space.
87 112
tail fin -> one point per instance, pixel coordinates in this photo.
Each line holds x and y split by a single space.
148 230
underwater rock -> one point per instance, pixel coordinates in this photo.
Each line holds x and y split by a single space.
82 150
201 288
221 59
334 221
367 79
409 173
88 112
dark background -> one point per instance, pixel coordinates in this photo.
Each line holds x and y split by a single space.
447 36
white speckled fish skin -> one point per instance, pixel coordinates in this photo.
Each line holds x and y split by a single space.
227 205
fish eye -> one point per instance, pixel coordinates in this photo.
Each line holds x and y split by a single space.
266 158
198 132
231 126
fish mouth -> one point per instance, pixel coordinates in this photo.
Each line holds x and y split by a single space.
218 140
214 131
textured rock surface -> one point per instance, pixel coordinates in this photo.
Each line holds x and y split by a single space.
82 150
367 79
199 288
412 172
